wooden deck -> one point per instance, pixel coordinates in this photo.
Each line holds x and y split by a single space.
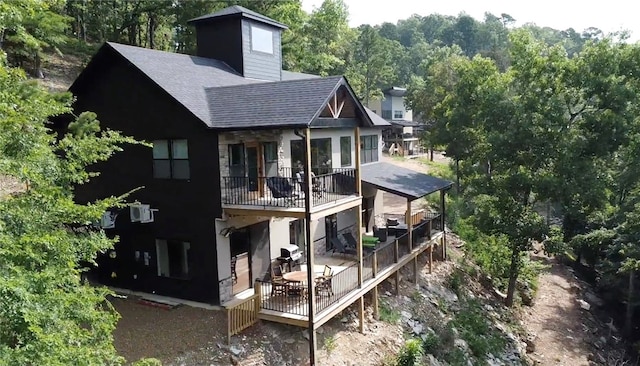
293 310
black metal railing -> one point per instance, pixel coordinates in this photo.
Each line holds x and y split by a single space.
367 266
288 188
290 297
386 256
403 245
339 286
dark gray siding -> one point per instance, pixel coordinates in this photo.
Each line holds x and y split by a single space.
386 103
187 208
221 40
258 65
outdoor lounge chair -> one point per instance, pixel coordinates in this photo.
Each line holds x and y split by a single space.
280 187
339 247
351 241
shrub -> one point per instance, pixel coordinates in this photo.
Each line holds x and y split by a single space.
431 343
388 314
410 353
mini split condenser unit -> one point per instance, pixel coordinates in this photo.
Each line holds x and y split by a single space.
141 213
108 220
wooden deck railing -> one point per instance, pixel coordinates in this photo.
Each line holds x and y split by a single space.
242 315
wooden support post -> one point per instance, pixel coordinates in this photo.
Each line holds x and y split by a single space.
374 269
361 313
416 273
430 258
309 249
442 223
397 282
359 213
407 220
376 310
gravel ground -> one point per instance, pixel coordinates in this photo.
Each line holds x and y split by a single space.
147 331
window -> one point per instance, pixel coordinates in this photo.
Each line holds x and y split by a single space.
386 114
398 114
170 159
236 160
261 40
320 155
270 158
345 150
172 258
368 149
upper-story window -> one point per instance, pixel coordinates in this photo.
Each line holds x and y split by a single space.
386 114
368 149
261 40
170 159
345 150
236 160
398 114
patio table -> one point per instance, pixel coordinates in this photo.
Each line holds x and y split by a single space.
297 276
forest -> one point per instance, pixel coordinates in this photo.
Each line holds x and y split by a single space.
541 124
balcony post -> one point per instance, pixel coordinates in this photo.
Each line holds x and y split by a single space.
444 232
359 213
310 260
374 266
408 218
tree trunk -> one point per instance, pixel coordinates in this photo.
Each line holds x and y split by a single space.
151 32
458 175
37 67
629 313
431 152
513 277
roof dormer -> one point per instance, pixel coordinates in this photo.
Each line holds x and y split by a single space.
247 41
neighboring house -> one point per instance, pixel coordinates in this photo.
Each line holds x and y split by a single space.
403 135
223 193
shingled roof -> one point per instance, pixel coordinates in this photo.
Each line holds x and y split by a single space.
222 98
285 103
238 11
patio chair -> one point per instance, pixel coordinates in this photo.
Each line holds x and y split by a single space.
323 283
351 241
279 285
280 187
339 247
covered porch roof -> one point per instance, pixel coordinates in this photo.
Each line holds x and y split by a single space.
402 181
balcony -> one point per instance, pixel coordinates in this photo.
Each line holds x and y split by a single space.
378 264
287 190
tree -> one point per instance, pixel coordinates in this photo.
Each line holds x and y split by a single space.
48 316
28 28
372 67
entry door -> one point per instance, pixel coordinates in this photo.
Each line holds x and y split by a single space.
254 168
330 229
367 211
241 249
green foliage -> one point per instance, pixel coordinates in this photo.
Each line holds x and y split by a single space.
148 362
47 315
554 244
475 328
330 343
431 343
410 353
388 314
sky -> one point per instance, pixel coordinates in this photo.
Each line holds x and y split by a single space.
608 16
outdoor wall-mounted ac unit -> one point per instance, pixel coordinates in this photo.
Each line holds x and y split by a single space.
108 220
141 213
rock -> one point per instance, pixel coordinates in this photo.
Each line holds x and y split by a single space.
405 314
575 288
531 345
417 329
592 298
289 341
432 361
234 360
236 349
500 295
320 330
584 305
305 334
462 344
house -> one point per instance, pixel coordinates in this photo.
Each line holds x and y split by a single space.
223 200
402 137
